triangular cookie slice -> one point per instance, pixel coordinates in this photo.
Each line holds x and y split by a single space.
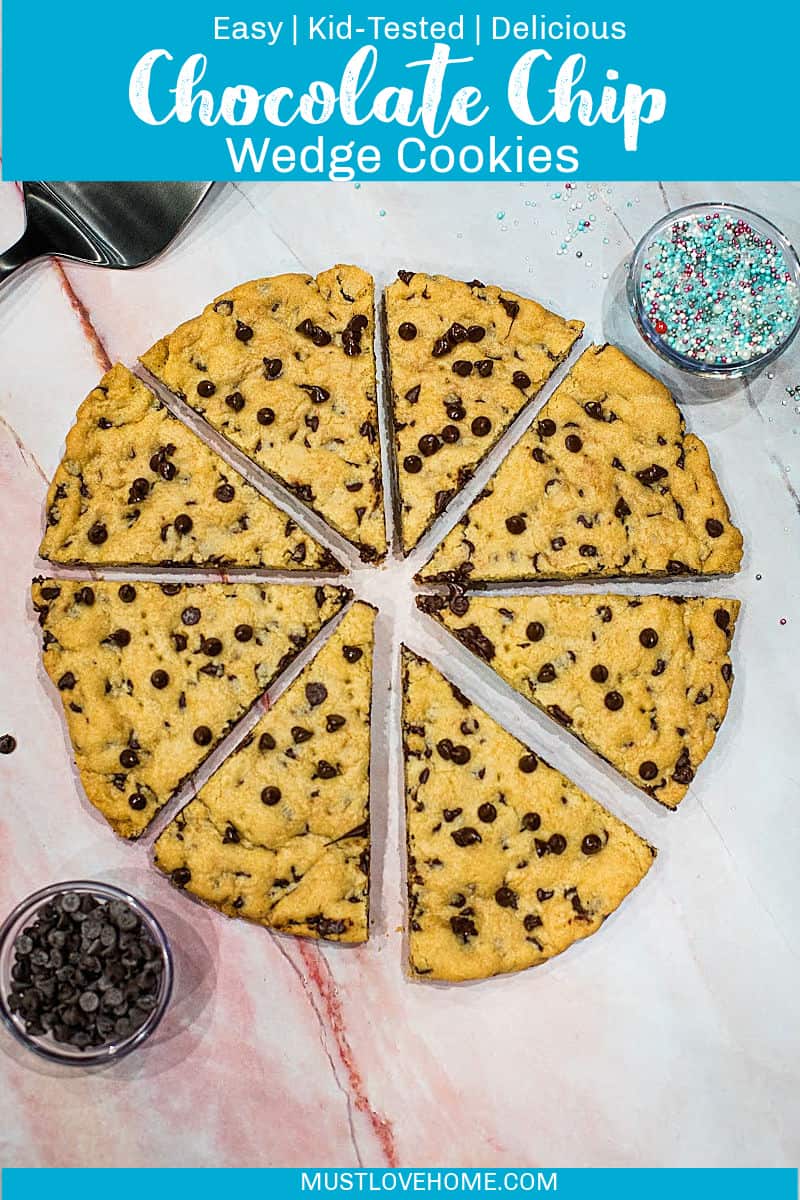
606 482
153 675
509 862
464 360
137 486
285 369
280 834
642 680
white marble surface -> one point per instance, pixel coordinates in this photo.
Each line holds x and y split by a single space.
669 1038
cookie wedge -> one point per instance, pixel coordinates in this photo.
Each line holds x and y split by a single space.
509 862
136 486
644 681
280 833
606 482
284 368
464 360
152 676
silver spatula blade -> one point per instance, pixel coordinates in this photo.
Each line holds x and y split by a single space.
120 225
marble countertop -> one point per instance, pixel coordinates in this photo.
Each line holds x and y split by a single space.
670 1038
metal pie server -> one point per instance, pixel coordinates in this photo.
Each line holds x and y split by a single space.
120 225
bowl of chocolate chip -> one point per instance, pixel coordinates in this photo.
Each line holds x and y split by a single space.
85 973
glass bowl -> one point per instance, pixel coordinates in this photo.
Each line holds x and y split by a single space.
646 324
46 1046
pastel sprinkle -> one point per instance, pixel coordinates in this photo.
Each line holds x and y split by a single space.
717 291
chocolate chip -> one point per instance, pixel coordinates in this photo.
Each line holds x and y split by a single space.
159 679
587 550
97 533
531 922
592 844
456 412
334 721
648 769
522 381
428 444
206 388
531 821
457 333
648 638
406 276
481 426
558 714
528 763
450 434
180 641
473 637
407 331
722 619
235 401
129 758
614 701
67 682
484 367
466 836
270 795
120 637
462 367
449 814
202 735
137 801
225 307
181 876
352 653
190 615
594 410
266 742
463 927
139 490
316 693
8 743
534 631
326 770
412 463
599 673
273 368
170 589
460 755
224 492
573 443
683 772
621 509
243 332
243 633
506 897
211 646
300 734
714 528
441 347
651 474
546 673
546 427
412 395
726 670
557 843
487 813
316 394
511 307
265 416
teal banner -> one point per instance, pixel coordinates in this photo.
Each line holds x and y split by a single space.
288 1184
623 91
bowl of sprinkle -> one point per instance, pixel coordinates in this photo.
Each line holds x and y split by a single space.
715 290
